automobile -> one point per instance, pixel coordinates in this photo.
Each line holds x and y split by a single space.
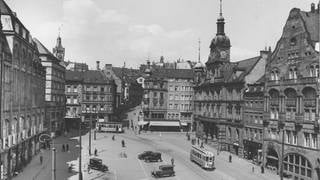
153 157
143 155
96 163
164 171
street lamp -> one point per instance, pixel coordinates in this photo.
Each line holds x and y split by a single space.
281 126
80 156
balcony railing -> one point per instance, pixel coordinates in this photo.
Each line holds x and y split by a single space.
291 102
309 102
274 102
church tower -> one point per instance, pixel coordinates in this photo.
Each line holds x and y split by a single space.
219 47
59 50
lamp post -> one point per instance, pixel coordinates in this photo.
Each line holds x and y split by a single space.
91 112
80 156
281 126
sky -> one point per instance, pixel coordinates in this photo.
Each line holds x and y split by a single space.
132 31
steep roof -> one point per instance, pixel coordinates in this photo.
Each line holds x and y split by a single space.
91 76
247 65
311 21
4 8
173 73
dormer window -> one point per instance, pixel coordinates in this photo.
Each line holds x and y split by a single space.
274 76
314 70
293 73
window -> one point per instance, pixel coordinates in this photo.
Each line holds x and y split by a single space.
294 138
307 142
161 95
170 106
176 88
155 94
314 141
68 89
102 89
170 97
297 164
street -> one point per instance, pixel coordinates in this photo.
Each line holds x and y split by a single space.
171 145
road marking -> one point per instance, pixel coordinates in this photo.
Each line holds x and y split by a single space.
144 171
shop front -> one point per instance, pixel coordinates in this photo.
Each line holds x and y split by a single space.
252 150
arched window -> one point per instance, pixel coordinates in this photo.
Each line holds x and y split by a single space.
274 75
293 72
298 166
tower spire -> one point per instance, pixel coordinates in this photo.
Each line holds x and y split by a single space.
220 8
199 50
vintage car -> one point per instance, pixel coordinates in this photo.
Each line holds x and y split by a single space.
153 157
96 163
164 171
145 154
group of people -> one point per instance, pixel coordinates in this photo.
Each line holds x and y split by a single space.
65 147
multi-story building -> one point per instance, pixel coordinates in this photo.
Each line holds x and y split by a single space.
218 102
291 113
167 99
55 84
128 91
89 94
253 98
23 94
180 95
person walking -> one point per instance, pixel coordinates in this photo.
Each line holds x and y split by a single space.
63 148
230 158
41 159
67 147
172 161
253 169
95 152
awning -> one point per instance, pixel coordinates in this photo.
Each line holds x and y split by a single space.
140 123
183 124
272 157
164 123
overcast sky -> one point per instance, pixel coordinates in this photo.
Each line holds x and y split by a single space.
114 31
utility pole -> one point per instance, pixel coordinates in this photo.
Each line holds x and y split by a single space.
91 112
53 163
80 156
281 124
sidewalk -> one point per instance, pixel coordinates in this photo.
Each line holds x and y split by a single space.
35 171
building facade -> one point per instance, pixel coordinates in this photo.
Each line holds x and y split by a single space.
89 94
23 94
291 112
167 99
55 92
218 101
253 121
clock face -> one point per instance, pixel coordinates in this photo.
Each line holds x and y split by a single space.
223 54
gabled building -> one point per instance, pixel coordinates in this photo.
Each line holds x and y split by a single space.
167 98
23 94
291 113
218 101
89 95
55 84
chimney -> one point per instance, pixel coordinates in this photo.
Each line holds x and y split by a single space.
266 52
98 65
313 7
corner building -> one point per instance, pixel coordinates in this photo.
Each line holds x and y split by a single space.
218 101
22 94
291 113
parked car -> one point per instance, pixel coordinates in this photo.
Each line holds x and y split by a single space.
164 171
150 155
153 157
96 163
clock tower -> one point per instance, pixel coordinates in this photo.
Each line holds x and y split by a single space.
59 50
220 46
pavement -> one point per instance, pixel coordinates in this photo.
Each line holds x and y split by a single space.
171 145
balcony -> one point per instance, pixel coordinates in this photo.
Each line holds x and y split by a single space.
291 102
274 102
309 102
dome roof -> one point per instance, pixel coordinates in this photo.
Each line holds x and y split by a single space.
198 65
220 41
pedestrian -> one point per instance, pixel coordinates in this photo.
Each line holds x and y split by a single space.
262 169
88 169
41 159
198 141
63 148
201 145
95 152
67 147
253 169
172 161
230 158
